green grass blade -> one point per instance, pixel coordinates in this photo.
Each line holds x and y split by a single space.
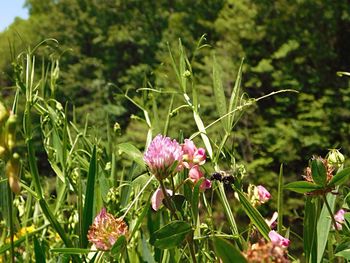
89 198
254 215
219 93
227 252
235 96
72 251
310 230
38 250
280 201
324 225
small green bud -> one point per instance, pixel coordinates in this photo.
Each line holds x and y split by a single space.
335 157
116 128
186 74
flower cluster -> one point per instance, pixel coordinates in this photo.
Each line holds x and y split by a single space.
258 195
163 157
105 230
193 157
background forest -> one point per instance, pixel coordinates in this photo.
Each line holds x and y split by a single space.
108 48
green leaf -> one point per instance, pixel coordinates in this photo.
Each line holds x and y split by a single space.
219 93
227 252
89 198
254 215
340 178
171 235
38 250
319 172
310 230
323 226
235 96
132 152
302 187
119 246
344 253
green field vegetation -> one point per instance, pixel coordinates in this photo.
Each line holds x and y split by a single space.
105 74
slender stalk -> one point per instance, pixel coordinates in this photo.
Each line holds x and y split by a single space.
167 200
10 200
330 212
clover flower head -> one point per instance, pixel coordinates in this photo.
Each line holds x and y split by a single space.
106 229
161 156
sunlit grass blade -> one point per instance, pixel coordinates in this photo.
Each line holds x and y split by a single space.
280 200
89 198
235 96
219 93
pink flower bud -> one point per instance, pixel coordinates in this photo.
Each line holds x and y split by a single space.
196 174
199 156
263 194
157 198
339 218
161 156
272 222
278 240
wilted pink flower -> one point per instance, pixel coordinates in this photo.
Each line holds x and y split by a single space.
157 198
272 222
161 156
263 194
192 155
278 240
339 218
196 174
105 230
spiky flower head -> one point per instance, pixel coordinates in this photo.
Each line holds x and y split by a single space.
266 252
163 157
106 229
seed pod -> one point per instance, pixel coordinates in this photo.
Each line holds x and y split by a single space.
10 133
3 113
2 152
14 184
12 172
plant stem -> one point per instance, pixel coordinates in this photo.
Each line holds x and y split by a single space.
167 200
330 212
10 198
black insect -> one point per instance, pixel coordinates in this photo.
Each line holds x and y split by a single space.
223 177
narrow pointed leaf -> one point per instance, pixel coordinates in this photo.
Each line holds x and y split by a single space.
254 215
302 187
219 92
235 96
227 252
89 198
171 235
340 178
38 250
132 152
